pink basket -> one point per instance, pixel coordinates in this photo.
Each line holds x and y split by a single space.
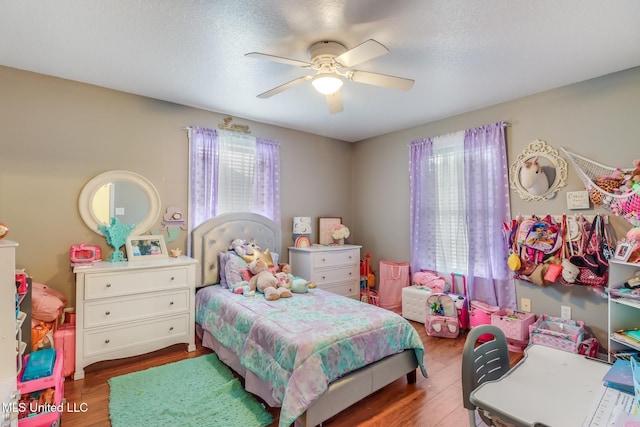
563 334
514 324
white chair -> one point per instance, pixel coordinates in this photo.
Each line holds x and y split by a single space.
482 362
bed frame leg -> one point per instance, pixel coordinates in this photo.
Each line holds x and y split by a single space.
412 377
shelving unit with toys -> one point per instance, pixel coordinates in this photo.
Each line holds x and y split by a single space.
624 308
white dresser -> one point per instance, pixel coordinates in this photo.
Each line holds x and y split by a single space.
125 309
332 268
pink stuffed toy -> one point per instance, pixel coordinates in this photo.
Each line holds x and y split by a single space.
430 280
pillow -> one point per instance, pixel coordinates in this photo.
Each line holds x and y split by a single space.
233 269
46 303
222 261
247 274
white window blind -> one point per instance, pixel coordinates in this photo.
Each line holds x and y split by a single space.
451 228
236 172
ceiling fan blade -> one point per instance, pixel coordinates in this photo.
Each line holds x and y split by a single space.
363 52
391 82
334 101
283 87
280 59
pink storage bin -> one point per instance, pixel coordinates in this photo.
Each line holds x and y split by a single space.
56 381
480 314
393 277
563 334
514 324
64 339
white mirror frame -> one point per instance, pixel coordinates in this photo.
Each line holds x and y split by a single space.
539 149
85 200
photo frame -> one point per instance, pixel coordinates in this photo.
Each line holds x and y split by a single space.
325 225
623 250
148 247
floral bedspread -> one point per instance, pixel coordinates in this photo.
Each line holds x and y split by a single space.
301 344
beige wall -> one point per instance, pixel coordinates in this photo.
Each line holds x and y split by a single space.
597 119
55 135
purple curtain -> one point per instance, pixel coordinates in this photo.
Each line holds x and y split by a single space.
266 194
422 171
486 205
203 172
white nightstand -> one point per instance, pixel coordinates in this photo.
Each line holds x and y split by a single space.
332 268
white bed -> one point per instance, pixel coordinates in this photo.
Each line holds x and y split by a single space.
213 237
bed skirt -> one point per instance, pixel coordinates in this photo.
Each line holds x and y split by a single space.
341 394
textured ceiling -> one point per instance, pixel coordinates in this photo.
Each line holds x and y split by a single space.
463 54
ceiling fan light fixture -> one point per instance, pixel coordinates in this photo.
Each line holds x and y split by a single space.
326 84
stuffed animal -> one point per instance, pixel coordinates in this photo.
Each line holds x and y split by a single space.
242 248
284 268
301 286
257 253
265 282
533 178
243 288
284 281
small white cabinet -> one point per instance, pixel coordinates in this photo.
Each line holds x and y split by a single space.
129 308
332 268
624 313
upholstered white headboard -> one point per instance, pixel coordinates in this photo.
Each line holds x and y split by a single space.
215 236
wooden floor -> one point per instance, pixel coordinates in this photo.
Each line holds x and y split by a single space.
432 401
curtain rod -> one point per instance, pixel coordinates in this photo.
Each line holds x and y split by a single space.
506 124
227 125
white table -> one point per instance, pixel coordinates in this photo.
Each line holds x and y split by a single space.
547 387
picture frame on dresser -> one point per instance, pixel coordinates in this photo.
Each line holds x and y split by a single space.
146 247
325 225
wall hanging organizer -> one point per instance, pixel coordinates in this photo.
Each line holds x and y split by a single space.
571 250
615 189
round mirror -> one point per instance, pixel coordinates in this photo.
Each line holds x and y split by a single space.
119 194
538 172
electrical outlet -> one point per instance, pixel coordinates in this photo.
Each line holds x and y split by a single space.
565 312
525 305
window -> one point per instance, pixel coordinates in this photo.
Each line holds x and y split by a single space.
232 172
451 231
459 202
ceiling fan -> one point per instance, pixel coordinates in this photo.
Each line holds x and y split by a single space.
332 62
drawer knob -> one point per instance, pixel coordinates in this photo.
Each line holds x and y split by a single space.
350 273
107 341
171 303
107 313
323 260
323 277
350 257
108 285
171 328
173 278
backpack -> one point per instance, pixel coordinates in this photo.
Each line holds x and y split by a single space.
442 316
544 235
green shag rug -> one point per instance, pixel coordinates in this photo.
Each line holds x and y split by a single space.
194 392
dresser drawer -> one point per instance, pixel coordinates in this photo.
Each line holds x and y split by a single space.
135 307
336 258
335 275
131 282
108 340
351 290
